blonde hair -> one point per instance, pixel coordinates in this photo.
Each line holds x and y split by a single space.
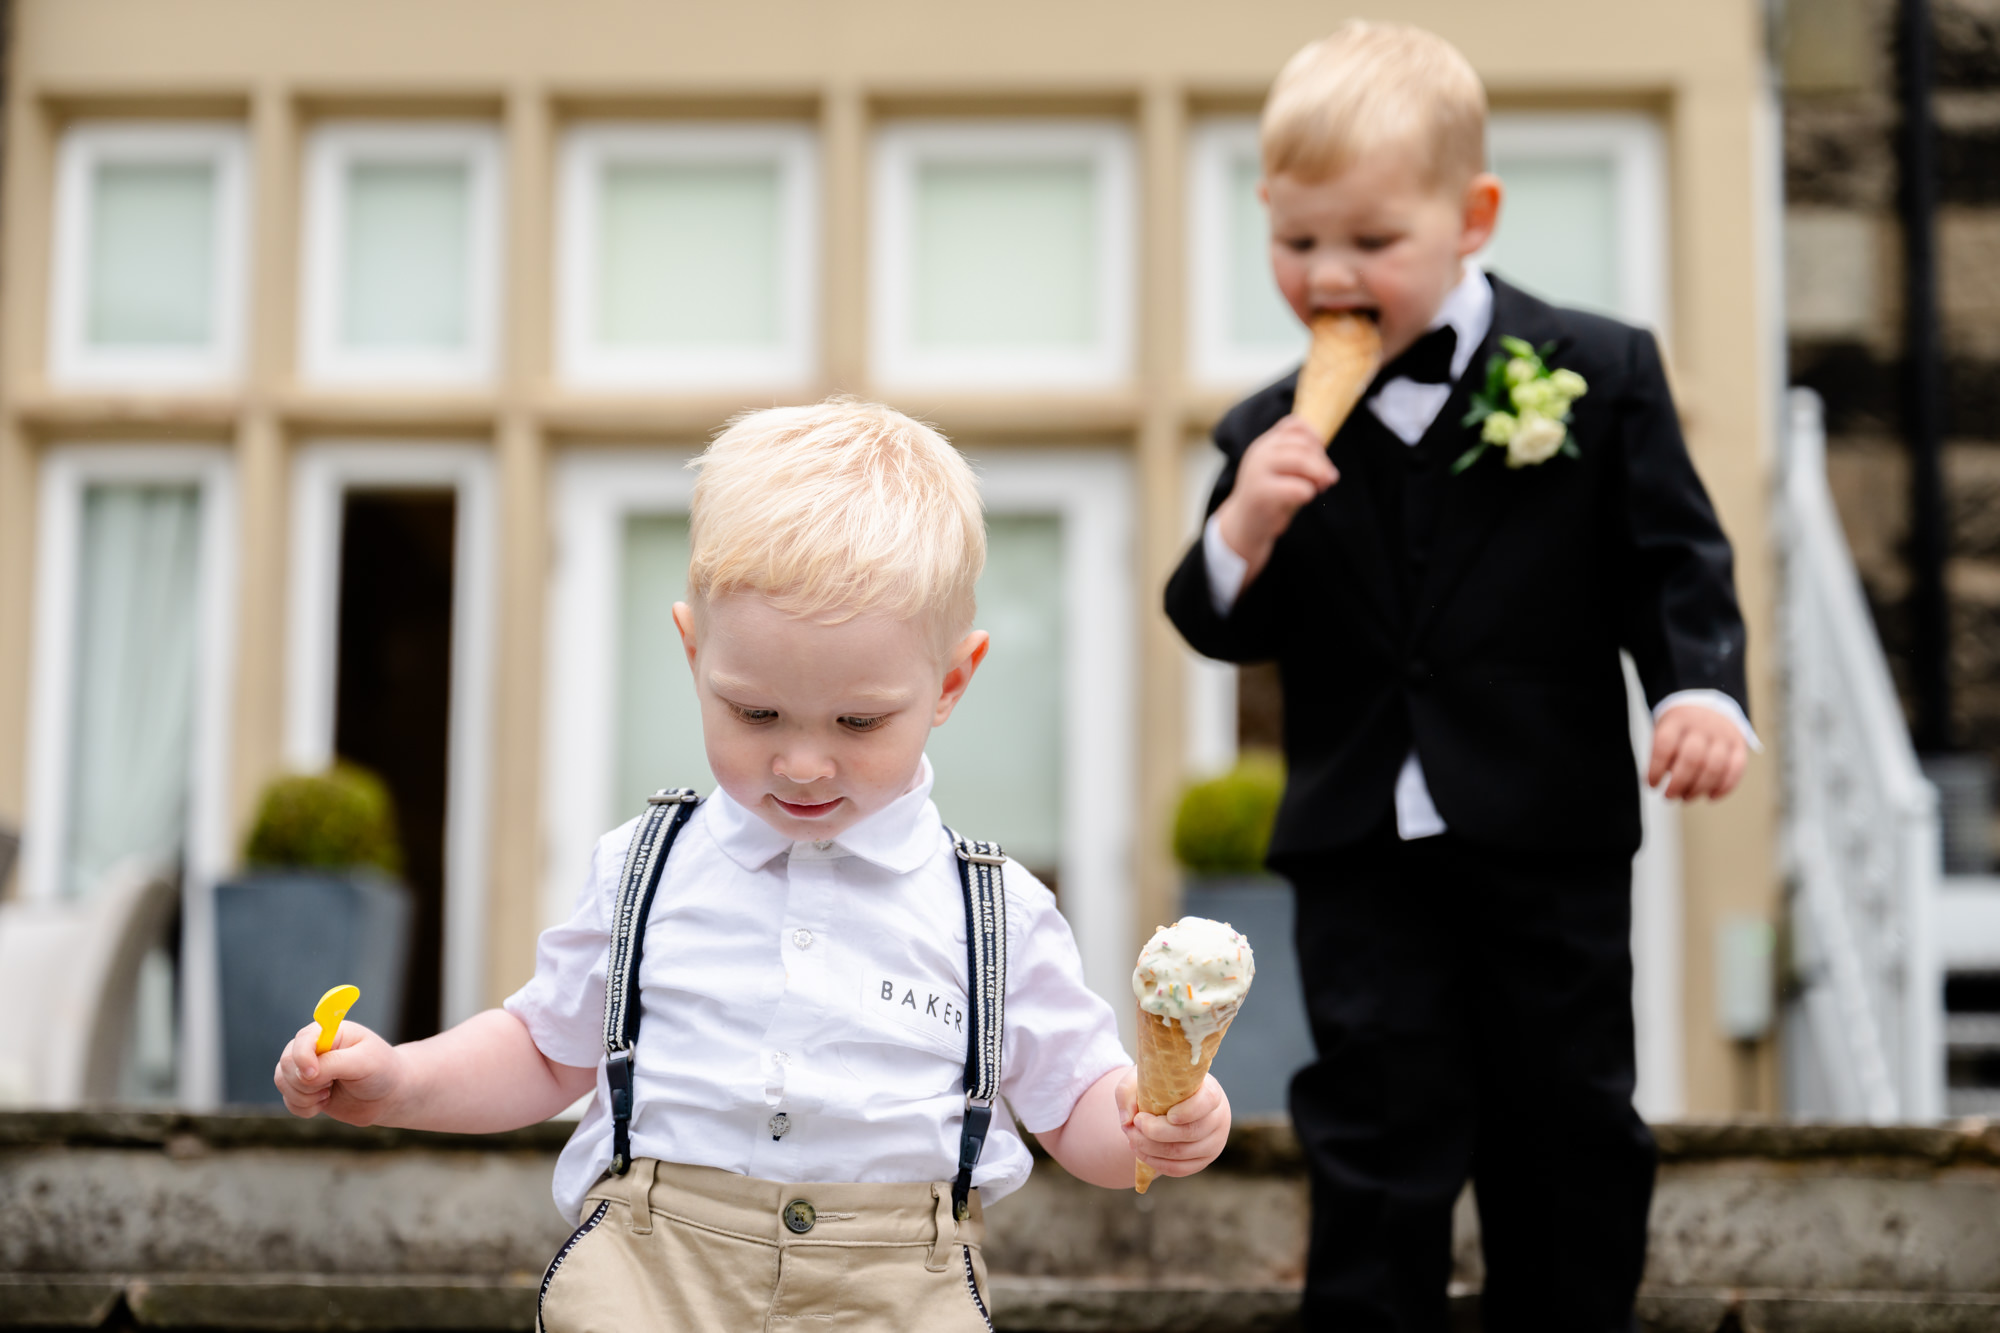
1370 86
835 510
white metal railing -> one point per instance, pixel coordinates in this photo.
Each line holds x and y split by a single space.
1861 822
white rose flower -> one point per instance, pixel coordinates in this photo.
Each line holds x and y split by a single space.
1499 428
1538 398
1568 383
1536 442
1519 371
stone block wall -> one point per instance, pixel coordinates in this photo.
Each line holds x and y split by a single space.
1843 262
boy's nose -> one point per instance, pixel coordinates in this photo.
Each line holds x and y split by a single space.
802 766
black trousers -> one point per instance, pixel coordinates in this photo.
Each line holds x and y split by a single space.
1472 1011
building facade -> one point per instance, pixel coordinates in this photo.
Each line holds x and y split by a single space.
352 356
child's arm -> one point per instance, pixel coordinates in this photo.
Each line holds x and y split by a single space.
1102 1135
483 1076
1282 472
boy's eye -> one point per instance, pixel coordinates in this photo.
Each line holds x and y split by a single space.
1298 245
862 723
1371 244
753 715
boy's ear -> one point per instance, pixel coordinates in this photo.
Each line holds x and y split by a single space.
684 622
1483 194
964 660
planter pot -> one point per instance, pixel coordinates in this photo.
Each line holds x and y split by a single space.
283 938
1270 1040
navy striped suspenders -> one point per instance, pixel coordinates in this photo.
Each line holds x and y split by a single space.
667 812
979 875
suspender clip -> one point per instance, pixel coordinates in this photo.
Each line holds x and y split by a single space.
971 857
971 1142
618 1077
672 796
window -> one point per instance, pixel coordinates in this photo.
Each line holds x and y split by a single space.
129 715
688 255
1036 757
1003 255
357 507
1584 222
402 253
1240 331
149 255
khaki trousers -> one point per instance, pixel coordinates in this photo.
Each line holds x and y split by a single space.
690 1249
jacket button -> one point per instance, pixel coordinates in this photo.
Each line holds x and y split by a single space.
1418 672
799 1216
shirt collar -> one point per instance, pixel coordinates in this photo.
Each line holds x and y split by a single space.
899 837
1468 309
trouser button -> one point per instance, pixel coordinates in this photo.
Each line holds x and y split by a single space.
799 1216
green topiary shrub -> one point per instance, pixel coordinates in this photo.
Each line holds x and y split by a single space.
337 820
1223 826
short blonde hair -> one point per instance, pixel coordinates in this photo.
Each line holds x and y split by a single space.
1370 86
835 510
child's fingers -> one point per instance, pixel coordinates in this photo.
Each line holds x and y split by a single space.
1666 740
1737 763
1714 770
1688 765
299 1065
1207 1100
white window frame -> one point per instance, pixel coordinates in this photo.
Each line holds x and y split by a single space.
1214 360
1636 147
331 149
67 472
1090 490
586 151
1106 145
72 360
323 473
1208 687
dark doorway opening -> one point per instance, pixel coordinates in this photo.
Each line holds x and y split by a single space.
392 704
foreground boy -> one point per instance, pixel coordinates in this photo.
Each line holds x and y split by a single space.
1446 588
803 980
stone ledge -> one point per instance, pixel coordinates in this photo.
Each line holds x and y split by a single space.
1257 1146
310 1303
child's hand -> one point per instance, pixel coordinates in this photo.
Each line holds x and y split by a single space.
353 1082
1282 472
1700 749
1184 1140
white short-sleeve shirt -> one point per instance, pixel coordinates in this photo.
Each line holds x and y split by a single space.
824 981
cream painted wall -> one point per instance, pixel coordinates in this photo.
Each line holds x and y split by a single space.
528 64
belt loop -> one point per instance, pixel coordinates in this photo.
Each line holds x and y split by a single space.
947 1229
639 1195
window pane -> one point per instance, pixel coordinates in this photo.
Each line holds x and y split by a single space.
1258 316
999 759
1558 233
405 263
658 725
133 706
688 254
1005 255
152 255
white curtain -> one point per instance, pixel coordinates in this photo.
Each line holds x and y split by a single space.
132 706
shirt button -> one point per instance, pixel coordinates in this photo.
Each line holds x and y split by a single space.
782 1057
802 938
779 1125
821 844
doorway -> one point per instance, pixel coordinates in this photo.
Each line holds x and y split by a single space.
392 697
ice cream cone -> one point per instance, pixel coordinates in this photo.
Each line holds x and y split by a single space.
1346 353
1168 1073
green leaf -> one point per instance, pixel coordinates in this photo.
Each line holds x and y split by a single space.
1569 450
1518 347
1469 457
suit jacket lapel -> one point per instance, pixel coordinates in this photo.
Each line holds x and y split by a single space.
1347 512
1473 501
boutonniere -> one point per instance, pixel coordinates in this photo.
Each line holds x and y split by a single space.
1524 408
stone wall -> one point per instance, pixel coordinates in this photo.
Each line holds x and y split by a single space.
1843 258
113 1222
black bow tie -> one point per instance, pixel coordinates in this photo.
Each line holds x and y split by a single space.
1427 360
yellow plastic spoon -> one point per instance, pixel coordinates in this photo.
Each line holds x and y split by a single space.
332 1007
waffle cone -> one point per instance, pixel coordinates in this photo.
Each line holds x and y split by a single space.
1166 1077
1346 353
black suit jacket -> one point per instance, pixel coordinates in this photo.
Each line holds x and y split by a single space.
1497 658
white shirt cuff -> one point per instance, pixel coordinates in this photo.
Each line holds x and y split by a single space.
1225 568
1719 702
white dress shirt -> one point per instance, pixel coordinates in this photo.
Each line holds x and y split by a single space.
1408 408
824 981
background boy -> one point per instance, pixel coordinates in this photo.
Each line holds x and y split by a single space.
828 624
1461 810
